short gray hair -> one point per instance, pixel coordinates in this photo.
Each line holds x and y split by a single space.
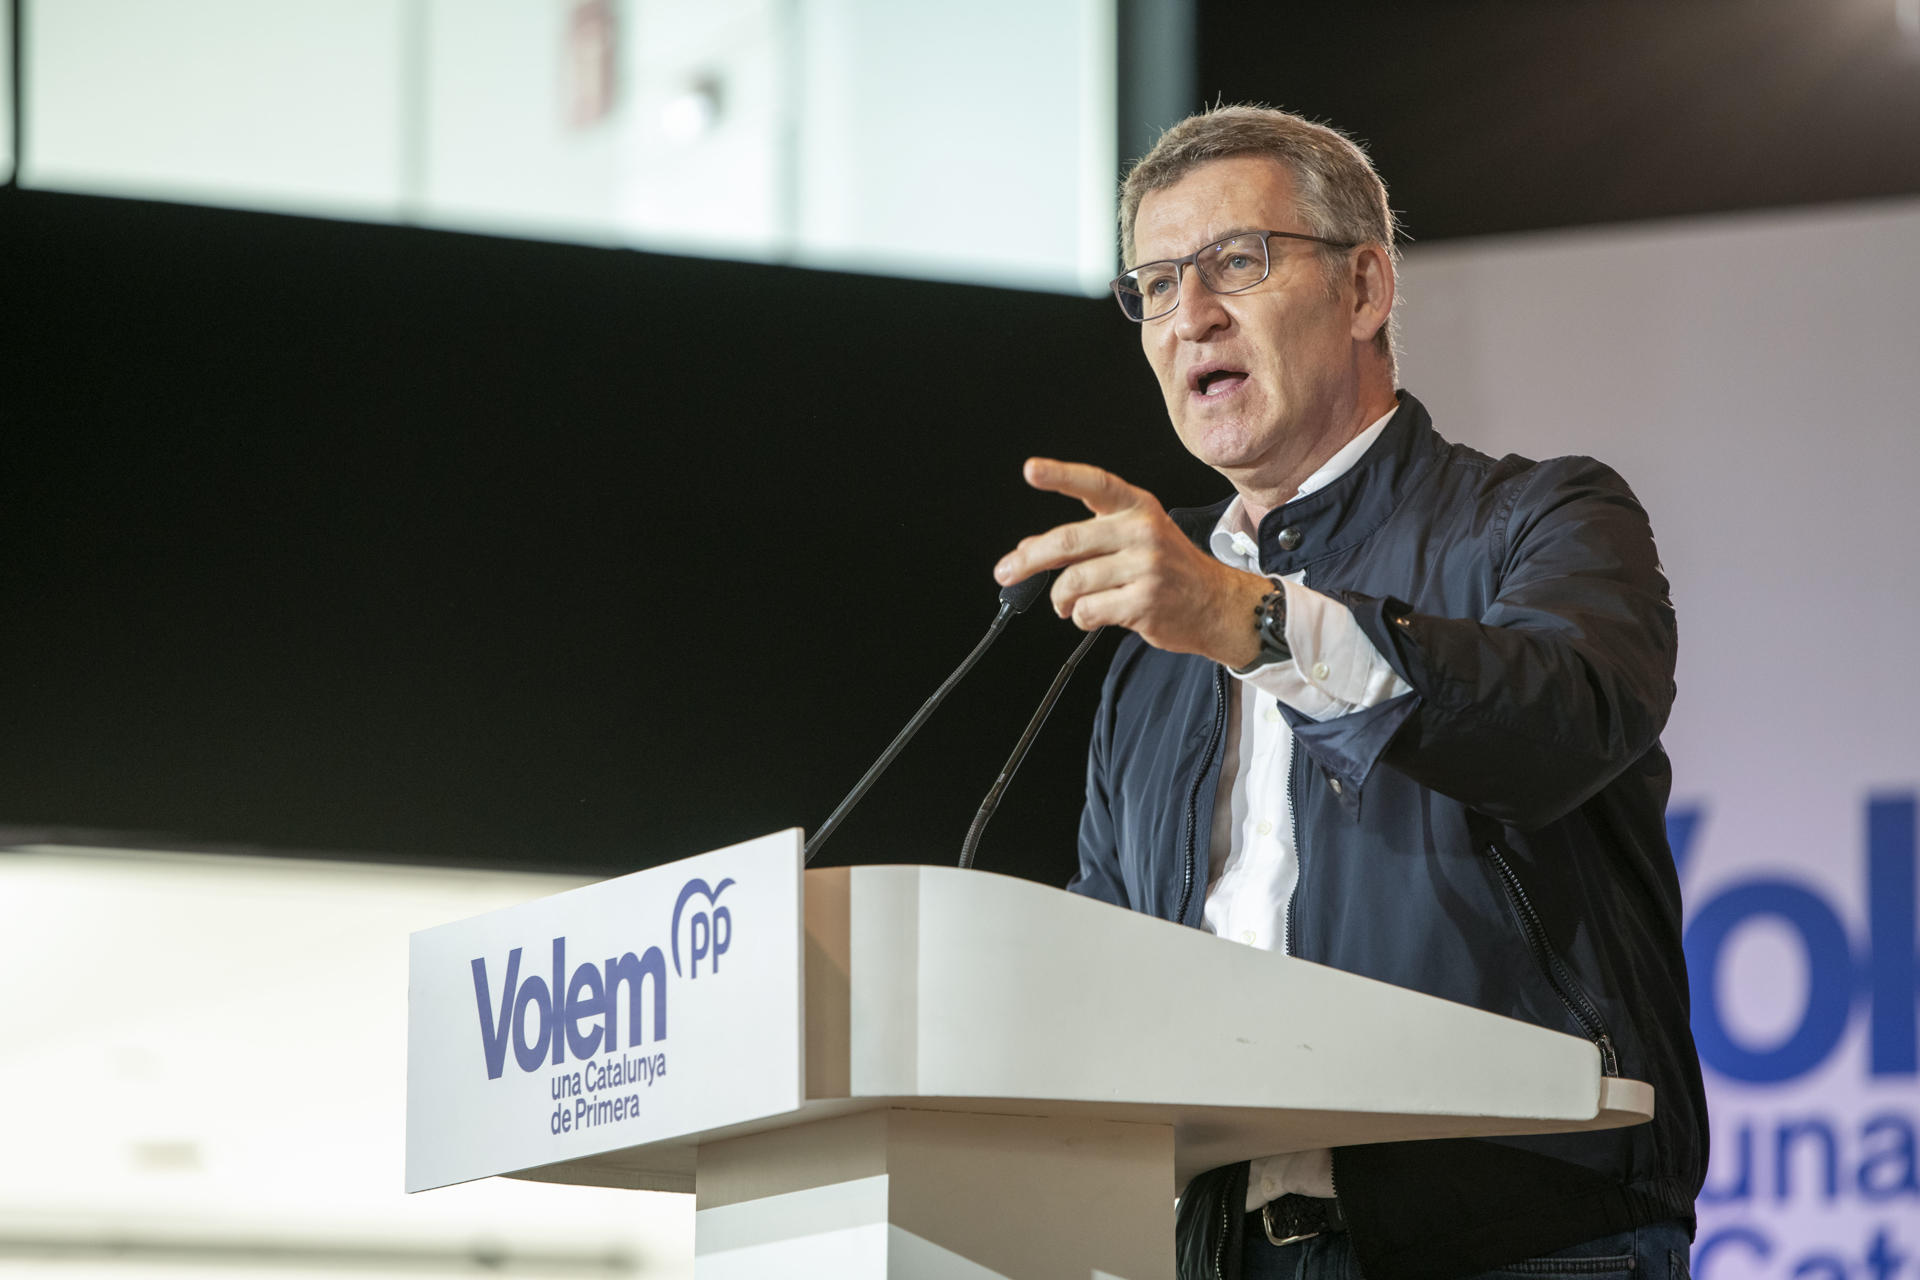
1338 193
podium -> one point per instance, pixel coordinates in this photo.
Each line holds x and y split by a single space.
947 1074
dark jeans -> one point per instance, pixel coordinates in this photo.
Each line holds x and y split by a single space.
1658 1252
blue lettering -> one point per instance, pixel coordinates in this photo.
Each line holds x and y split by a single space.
493 1033
700 927
697 934
1705 1252
530 1052
554 1031
1784 1138
1741 1187
538 1019
586 998
1883 1257
1893 977
545 1018
632 971
722 936
1892 1171
1821 1156
1887 973
1829 972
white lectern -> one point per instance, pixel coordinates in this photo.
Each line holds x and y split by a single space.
928 1072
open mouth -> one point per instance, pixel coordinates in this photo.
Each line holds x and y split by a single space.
1218 382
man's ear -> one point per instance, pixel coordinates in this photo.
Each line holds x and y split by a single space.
1372 291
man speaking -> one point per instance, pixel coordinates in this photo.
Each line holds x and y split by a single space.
1393 707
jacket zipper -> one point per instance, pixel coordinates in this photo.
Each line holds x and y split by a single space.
1556 972
1220 1249
1299 853
1199 780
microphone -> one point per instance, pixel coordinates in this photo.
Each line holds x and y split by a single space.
1017 598
971 845
1022 595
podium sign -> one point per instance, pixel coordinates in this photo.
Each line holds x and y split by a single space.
658 1004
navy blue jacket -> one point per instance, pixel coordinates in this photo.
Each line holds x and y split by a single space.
1495 837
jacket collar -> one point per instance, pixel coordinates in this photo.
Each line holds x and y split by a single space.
1346 512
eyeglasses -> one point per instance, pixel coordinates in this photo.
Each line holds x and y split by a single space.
1233 265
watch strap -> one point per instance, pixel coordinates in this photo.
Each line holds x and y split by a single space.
1270 624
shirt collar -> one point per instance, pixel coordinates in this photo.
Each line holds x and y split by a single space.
1232 540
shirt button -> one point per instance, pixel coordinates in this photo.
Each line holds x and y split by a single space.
1290 537
1246 936
1272 715
1335 784
1265 828
1267 1188
1321 671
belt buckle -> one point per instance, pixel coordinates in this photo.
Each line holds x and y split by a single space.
1266 1223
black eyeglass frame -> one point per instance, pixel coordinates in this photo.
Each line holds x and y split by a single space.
1179 266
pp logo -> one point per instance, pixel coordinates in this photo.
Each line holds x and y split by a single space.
709 929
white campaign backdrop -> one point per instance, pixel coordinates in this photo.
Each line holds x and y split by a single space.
1756 380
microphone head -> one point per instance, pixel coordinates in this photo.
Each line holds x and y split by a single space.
1021 595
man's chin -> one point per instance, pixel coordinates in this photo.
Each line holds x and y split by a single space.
1223 447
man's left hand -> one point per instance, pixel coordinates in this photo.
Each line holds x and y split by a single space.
1131 566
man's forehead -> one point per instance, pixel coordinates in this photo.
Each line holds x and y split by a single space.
1213 201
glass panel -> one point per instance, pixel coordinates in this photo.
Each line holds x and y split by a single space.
651 122
992 156
6 90
966 142
293 105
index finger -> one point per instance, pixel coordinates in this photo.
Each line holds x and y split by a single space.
1103 492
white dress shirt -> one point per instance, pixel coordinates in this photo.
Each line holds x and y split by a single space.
1254 864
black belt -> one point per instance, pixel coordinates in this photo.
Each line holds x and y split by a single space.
1291 1219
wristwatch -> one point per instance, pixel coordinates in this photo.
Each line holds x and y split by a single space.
1270 624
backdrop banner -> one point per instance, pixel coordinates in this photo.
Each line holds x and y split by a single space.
1753 379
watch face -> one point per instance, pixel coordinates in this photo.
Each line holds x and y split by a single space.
1273 614
1273 627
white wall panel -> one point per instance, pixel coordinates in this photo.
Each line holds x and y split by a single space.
505 152
500 155
294 104
231 1098
720 190
971 141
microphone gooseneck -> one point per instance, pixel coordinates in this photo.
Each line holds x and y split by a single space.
972 843
1017 598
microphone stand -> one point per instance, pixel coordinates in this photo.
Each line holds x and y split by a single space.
1014 599
972 843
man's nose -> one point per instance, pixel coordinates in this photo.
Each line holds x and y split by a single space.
1201 310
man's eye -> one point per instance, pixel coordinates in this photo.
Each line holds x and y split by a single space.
1238 261
1156 285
